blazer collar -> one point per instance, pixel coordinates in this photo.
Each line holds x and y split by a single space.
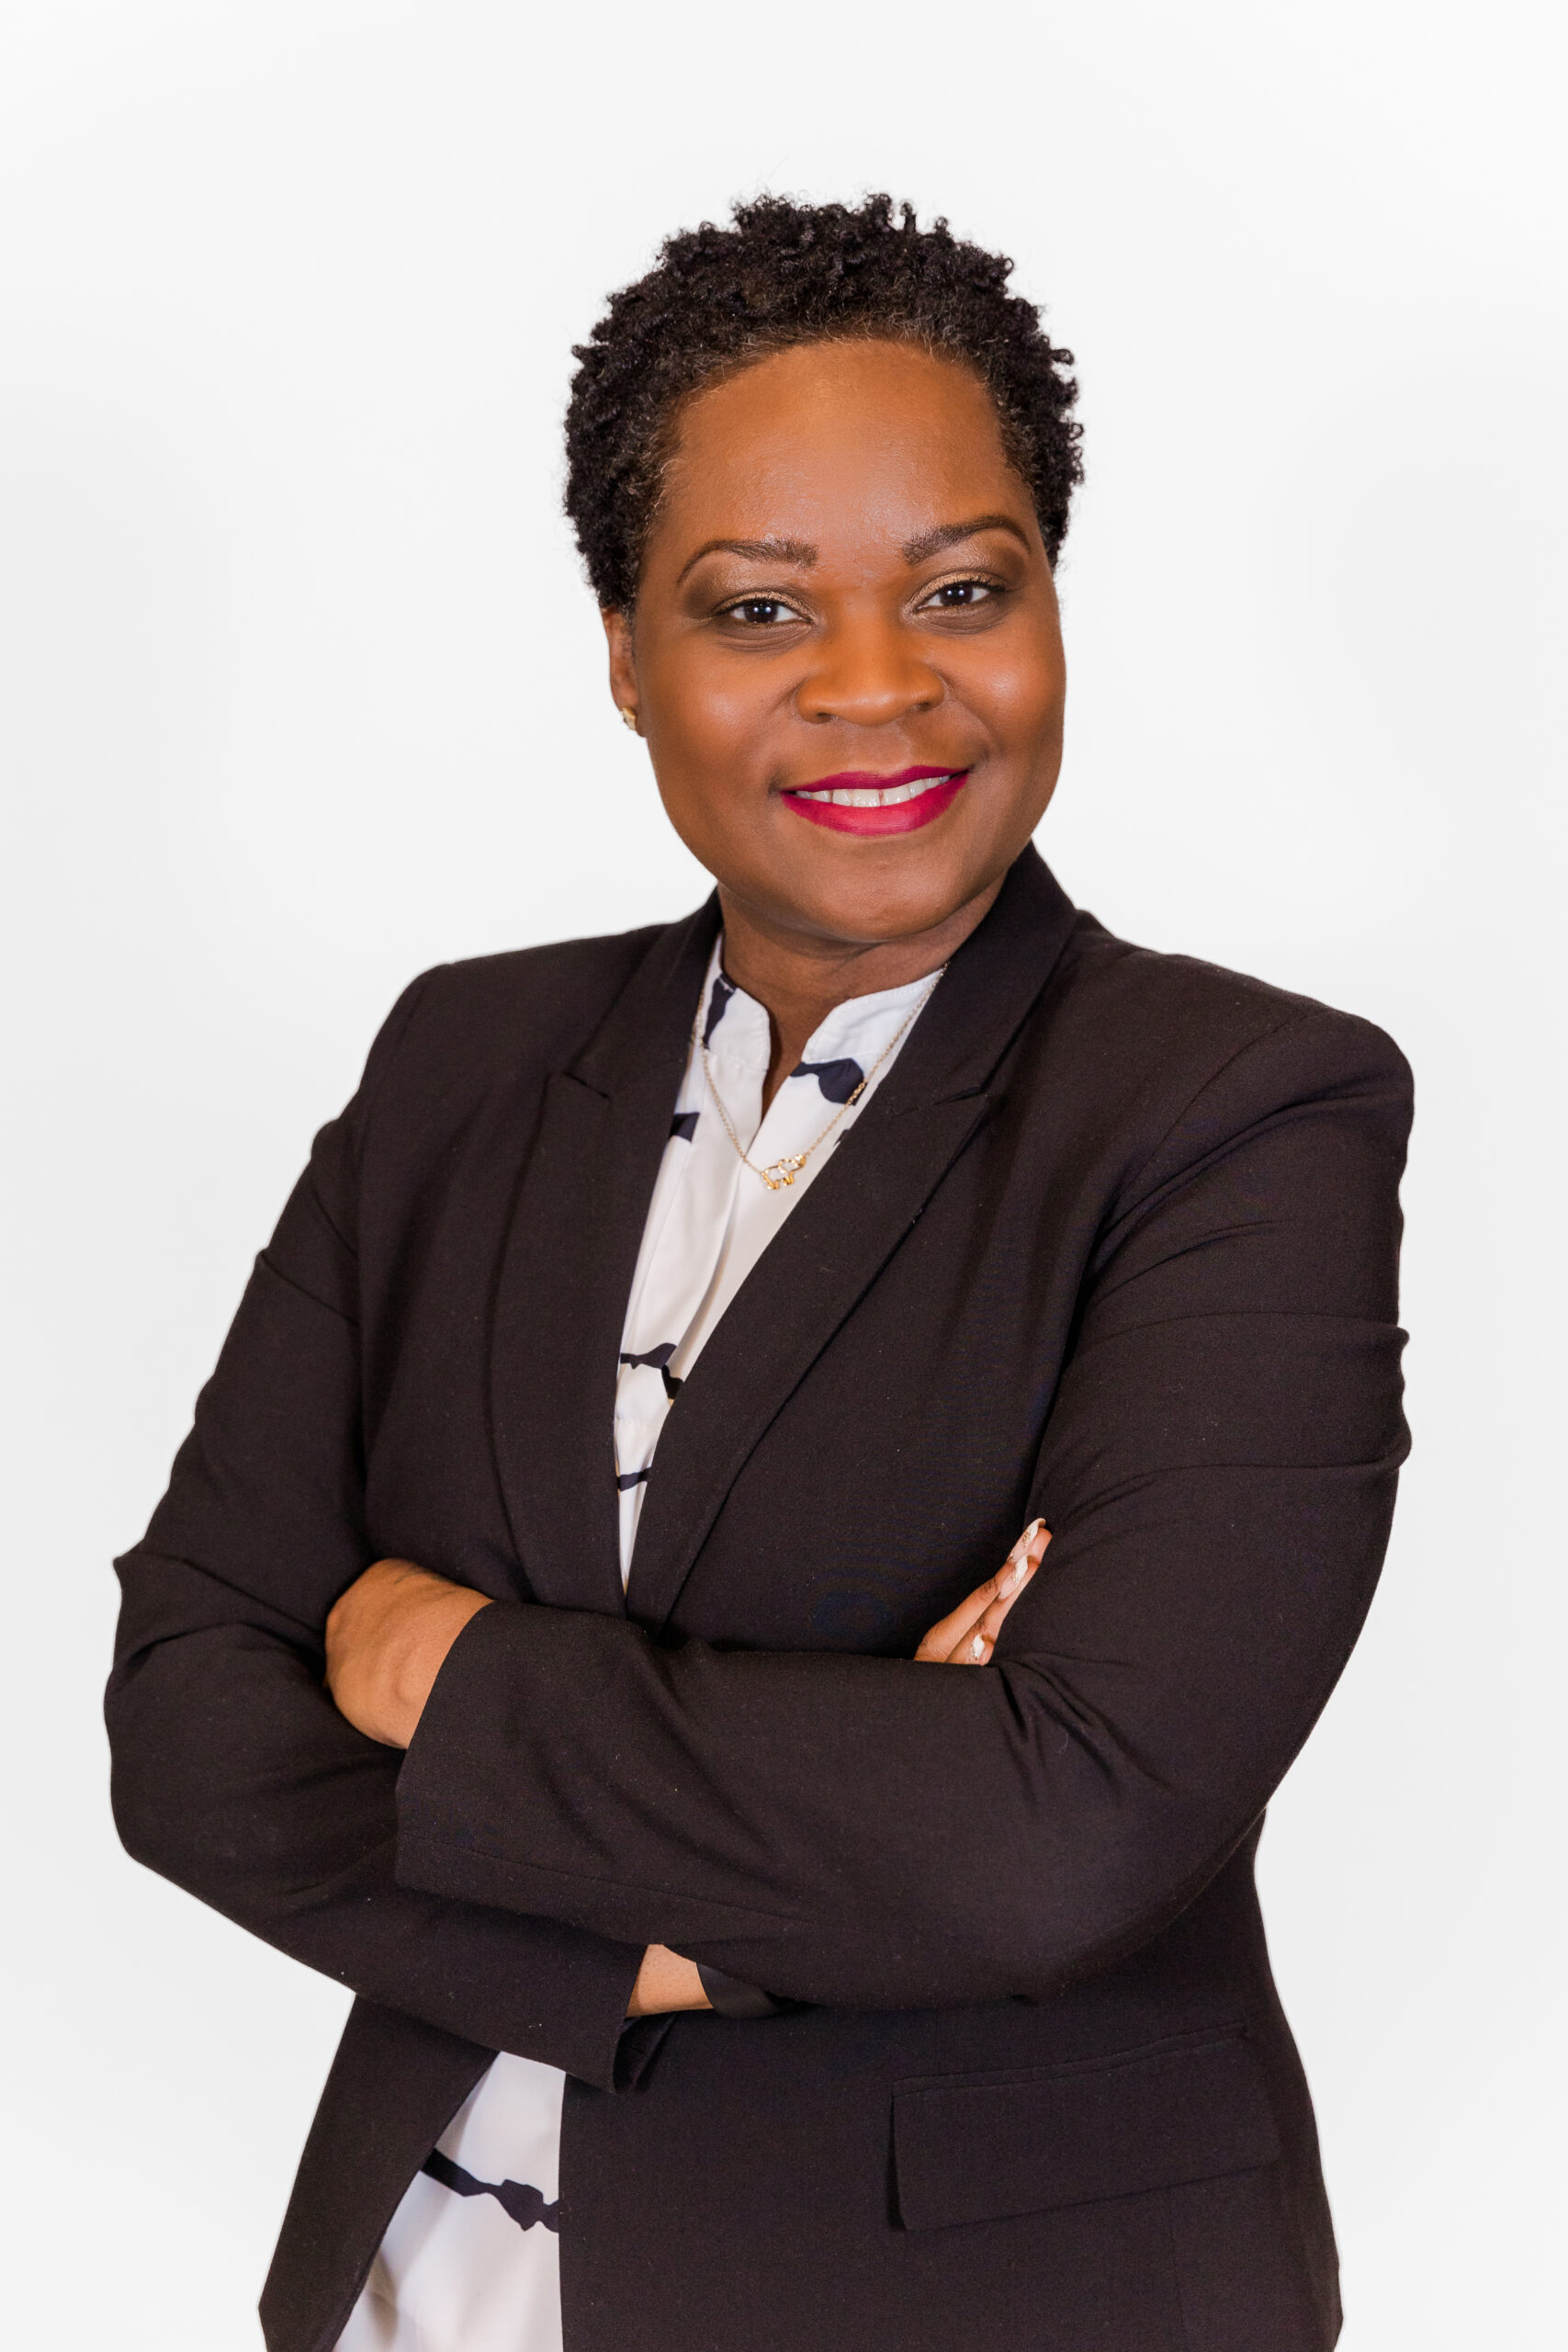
566 1274
648 1027
568 1269
986 993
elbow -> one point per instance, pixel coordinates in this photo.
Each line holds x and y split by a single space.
138 1826
139 1796
165 1779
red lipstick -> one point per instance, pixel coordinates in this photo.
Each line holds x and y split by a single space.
861 802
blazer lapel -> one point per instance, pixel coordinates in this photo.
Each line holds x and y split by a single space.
832 1247
567 1274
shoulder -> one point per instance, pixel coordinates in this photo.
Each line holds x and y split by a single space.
1200 1014
1193 1051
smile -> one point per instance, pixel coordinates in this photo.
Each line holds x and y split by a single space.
858 803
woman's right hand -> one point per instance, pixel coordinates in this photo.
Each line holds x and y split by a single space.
969 1635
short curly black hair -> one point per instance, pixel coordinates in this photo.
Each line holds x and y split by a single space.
784 273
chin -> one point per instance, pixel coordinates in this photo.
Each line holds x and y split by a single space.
890 897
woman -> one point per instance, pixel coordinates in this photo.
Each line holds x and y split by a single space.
535 1633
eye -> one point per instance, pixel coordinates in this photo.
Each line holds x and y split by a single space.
959 596
759 611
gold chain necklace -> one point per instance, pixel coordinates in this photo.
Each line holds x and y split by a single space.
780 1172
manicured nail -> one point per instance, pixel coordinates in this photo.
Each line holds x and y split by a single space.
977 1648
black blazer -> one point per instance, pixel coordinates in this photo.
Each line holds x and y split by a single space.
1115 1242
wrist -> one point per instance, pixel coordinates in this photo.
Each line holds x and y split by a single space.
729 1998
387 1639
432 1625
666 1981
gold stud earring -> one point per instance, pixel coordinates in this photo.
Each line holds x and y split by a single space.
628 717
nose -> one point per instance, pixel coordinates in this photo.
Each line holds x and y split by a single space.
869 672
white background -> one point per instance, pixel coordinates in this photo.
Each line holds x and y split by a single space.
302 692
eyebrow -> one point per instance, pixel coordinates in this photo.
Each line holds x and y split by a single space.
950 535
801 551
760 550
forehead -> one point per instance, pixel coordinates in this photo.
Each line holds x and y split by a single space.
854 447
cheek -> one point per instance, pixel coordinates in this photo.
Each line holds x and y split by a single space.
709 707
1019 692
709 742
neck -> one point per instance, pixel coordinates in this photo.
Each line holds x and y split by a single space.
800 978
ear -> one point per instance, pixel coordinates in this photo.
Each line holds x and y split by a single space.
623 666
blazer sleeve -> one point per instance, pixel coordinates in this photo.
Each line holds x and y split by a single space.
1218 1471
233 1772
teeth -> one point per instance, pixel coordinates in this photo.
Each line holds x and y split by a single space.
890 798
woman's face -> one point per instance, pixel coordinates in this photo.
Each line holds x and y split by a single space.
845 591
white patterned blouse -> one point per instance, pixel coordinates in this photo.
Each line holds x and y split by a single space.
469 2261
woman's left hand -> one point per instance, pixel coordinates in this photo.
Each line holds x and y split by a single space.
967 1635
386 1641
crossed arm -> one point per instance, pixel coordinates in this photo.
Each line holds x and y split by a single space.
1218 1469
388 1637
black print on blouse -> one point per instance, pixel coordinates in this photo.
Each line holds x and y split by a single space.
660 1359
524 2203
723 991
836 1079
628 1479
684 1125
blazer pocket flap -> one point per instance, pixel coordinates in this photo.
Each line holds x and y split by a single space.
980 2150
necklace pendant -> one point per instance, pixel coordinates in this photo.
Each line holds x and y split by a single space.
780 1172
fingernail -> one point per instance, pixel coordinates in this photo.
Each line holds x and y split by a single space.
1023 1570
1034 1528
977 1648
